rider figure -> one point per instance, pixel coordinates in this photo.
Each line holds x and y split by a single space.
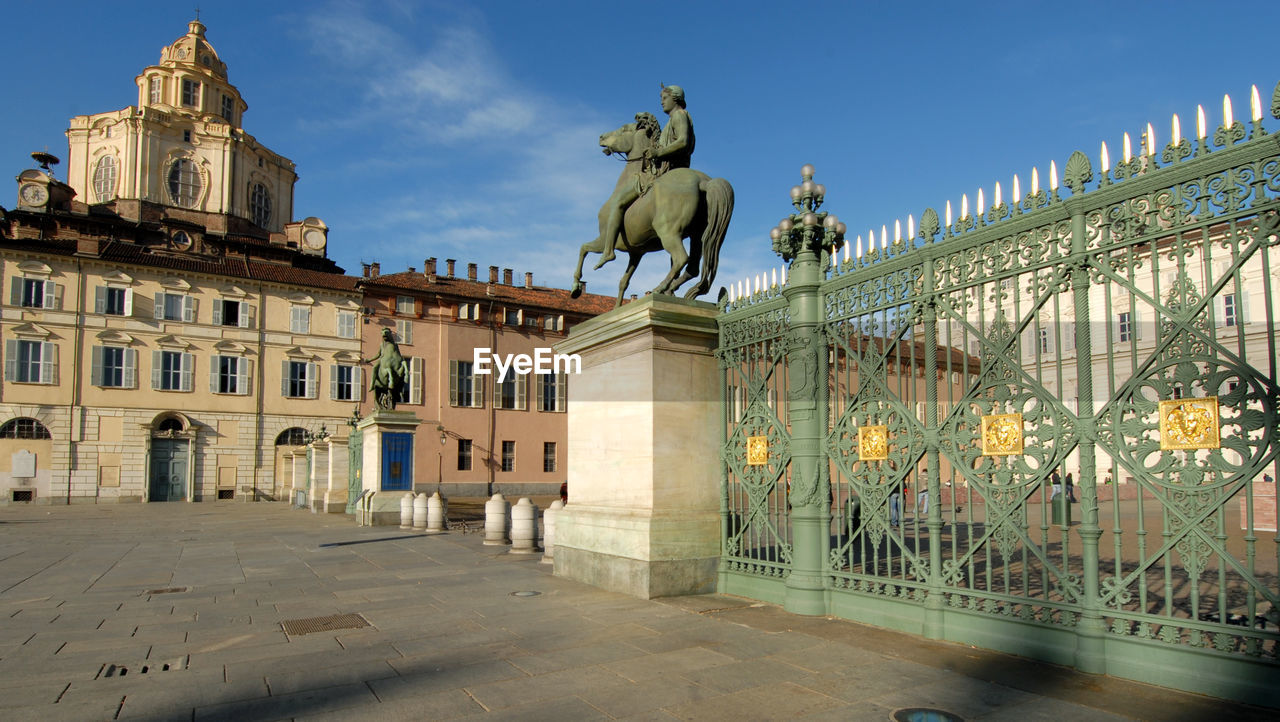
674 150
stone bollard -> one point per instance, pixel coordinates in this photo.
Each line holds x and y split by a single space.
524 527
406 511
420 512
549 531
495 521
436 510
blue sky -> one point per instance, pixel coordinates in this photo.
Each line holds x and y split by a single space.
469 130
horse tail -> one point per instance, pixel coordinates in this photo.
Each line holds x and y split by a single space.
719 209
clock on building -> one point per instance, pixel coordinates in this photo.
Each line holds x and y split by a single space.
33 194
314 238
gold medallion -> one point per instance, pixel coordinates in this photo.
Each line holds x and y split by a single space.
757 450
1002 435
873 443
1189 424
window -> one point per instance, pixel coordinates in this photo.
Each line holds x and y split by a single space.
1230 310
346 324
113 301
1044 340
35 293
465 387
404 332
172 370
30 362
1124 327
24 428
298 379
411 392
175 307
548 456
157 86
508 456
229 312
229 375
184 183
552 392
228 108
191 93
344 382
404 305
114 367
104 178
511 317
510 393
293 436
260 205
464 454
552 323
186 136
300 319
468 312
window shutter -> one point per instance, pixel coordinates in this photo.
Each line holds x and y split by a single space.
477 391
284 377
128 301
306 320
157 360
188 372
246 315
562 391
15 291
215 367
189 309
1137 325
159 309
415 380
357 383
497 390
453 381
217 312
95 371
52 295
130 368
333 382
48 363
1069 336
10 359
244 377
313 378
521 388
100 299
1242 306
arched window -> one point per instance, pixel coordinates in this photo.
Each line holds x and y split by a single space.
24 428
293 436
104 178
170 424
260 205
184 183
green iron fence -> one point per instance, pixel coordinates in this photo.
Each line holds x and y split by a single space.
894 424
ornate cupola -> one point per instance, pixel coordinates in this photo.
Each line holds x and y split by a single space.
183 146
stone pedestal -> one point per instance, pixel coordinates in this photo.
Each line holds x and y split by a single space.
643 516
387 468
329 475
298 490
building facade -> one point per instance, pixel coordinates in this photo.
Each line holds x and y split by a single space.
478 435
170 333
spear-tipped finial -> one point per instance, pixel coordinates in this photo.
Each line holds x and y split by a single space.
1053 176
1035 181
1255 105
1177 130
998 198
1106 158
1227 119
1200 123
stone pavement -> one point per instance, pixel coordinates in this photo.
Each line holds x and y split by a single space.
97 600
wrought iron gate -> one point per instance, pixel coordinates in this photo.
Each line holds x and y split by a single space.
899 427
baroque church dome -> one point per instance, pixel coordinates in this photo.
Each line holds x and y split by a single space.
193 51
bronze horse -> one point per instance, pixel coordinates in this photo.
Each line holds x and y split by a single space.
682 203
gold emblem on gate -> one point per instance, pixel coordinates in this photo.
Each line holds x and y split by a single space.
1002 435
757 450
1189 424
873 443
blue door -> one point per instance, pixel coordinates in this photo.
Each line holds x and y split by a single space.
397 462
168 470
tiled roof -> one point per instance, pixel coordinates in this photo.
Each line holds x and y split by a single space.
537 296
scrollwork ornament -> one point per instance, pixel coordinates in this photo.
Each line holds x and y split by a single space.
1077 172
1225 136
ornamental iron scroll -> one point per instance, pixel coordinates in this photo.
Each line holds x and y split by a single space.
1189 424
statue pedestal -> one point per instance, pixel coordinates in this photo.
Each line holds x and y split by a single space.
643 512
329 475
387 462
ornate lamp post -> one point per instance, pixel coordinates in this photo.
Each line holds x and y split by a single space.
804 239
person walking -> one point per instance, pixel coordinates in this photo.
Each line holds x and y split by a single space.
1071 488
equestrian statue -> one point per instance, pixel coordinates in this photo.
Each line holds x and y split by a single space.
390 372
659 201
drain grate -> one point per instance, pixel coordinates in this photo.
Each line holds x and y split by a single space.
296 627
168 590
117 671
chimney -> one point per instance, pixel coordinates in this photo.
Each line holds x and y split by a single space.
448 264
506 276
528 280
493 274
364 270
471 271
412 269
375 269
429 266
